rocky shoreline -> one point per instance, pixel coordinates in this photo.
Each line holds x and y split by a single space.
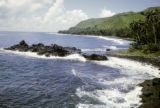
53 50
155 61
150 93
150 88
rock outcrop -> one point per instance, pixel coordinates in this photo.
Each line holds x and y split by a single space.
151 93
41 49
53 50
95 57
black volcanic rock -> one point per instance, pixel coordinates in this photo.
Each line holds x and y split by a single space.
73 49
53 50
150 93
22 46
95 57
41 49
108 49
23 43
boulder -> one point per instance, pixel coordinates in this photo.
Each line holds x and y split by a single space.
95 57
22 46
108 49
59 50
23 43
147 94
156 82
73 49
37 47
150 93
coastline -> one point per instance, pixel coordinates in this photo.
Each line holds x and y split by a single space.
155 61
149 60
92 35
150 88
150 93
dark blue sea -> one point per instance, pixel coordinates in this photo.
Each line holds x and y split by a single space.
31 81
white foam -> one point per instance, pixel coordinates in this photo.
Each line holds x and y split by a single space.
122 92
134 72
119 41
113 39
130 67
100 49
94 50
111 47
111 98
75 57
109 38
55 33
74 72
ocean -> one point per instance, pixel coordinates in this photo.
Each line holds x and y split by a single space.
28 80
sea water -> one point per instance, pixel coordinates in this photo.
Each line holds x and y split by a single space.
28 80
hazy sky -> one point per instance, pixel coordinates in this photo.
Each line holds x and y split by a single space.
54 15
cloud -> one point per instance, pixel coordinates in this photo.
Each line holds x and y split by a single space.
72 17
106 13
38 15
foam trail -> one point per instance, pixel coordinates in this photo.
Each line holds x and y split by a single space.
75 57
74 72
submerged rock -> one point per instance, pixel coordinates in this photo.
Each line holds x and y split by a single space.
95 57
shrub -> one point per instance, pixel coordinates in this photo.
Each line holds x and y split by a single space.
151 48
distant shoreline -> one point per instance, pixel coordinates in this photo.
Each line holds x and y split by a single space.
109 36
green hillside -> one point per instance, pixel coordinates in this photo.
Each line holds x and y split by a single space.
115 22
117 25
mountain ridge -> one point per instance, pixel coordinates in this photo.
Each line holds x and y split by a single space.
117 25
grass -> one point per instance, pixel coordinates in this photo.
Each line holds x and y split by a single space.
118 21
138 53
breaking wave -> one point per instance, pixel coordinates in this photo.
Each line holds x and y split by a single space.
75 57
121 92
130 67
115 40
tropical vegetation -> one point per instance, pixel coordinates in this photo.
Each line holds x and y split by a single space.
147 33
143 27
117 25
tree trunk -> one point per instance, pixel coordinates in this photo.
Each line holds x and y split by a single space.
154 33
138 37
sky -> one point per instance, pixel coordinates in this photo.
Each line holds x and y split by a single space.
54 15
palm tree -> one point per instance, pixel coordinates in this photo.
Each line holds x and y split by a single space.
153 20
